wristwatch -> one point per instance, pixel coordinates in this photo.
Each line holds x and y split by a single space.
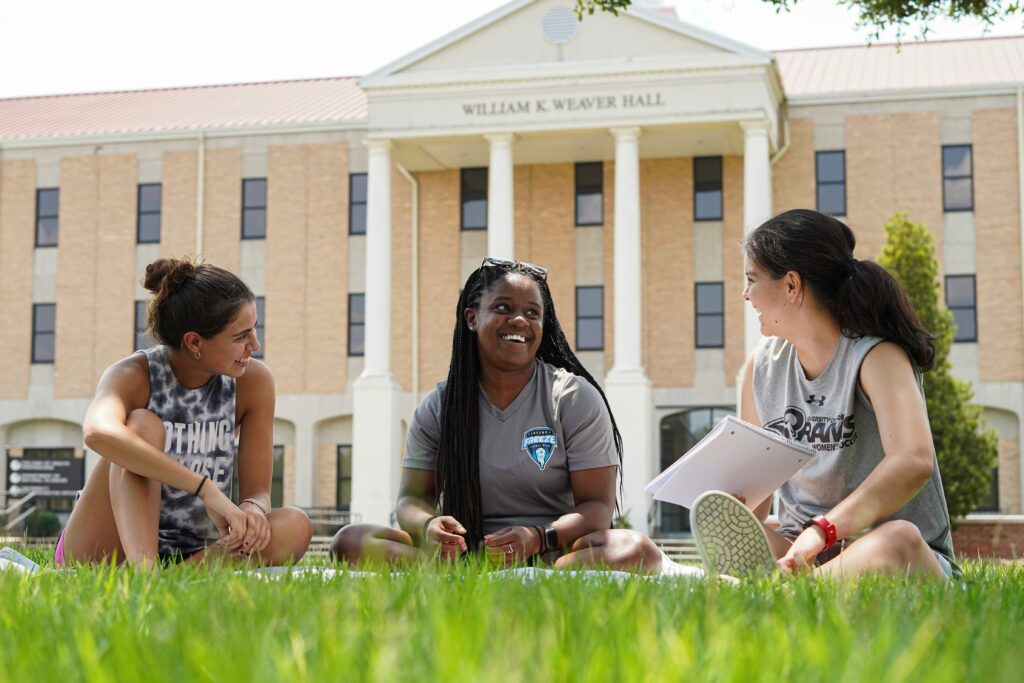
827 527
550 539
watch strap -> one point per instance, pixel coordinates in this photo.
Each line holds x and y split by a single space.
827 528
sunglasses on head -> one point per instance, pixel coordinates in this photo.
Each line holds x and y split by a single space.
531 268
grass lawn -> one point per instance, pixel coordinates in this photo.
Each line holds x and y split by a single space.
461 624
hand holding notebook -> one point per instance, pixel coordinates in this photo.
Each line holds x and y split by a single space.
735 457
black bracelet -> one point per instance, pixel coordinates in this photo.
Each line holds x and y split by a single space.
423 531
259 507
200 487
540 534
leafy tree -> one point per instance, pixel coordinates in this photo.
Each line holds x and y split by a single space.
879 15
965 446
42 523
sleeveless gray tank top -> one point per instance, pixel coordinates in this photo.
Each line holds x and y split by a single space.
200 434
833 415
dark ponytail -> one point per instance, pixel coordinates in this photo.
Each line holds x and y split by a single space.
458 456
190 296
864 298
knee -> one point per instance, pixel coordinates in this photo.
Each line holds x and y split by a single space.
899 542
347 543
147 425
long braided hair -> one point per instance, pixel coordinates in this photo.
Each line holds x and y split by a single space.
458 457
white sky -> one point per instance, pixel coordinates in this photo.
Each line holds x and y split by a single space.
64 46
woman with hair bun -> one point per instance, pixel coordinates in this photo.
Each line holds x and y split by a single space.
839 370
164 421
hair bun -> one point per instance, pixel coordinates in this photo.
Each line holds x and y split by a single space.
168 274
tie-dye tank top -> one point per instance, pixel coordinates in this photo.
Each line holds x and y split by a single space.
200 434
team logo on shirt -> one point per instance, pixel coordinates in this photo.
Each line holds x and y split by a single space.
539 443
821 432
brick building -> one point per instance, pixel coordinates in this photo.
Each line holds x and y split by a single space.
628 154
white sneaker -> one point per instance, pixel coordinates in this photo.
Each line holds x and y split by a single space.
729 537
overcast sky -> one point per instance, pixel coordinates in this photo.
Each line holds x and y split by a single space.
64 46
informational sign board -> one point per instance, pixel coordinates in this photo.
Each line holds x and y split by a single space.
49 477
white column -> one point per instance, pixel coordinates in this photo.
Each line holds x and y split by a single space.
757 203
376 419
627 386
500 202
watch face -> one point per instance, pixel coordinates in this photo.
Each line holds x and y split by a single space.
551 538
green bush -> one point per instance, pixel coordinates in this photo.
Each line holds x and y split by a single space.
966 448
42 523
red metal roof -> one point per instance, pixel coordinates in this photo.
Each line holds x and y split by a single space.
883 69
282 103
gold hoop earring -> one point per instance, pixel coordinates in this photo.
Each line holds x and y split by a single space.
194 356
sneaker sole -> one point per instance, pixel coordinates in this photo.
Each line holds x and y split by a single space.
729 537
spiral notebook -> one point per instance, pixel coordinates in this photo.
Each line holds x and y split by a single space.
735 457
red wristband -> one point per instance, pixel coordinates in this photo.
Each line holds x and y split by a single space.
827 527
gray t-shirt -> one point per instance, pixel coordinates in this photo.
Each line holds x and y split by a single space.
833 415
556 425
200 434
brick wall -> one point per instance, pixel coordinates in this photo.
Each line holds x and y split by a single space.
439 272
178 210
732 265
1003 538
793 174
17 240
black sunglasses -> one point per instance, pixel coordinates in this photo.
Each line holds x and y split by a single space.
531 268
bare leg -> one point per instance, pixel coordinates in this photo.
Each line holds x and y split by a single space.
357 543
779 543
290 534
895 548
622 549
119 512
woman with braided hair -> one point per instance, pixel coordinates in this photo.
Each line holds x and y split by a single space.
164 421
517 453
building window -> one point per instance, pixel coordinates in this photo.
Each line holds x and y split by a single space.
830 175
143 340
357 203
149 204
277 478
474 198
261 322
589 318
254 208
957 178
44 329
343 493
961 301
47 206
590 193
356 323
707 188
710 315
990 503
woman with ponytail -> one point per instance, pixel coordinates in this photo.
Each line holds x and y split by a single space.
164 422
839 369
517 453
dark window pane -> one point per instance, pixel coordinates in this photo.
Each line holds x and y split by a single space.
708 205
47 203
355 340
589 209
709 297
357 219
149 227
254 223
357 188
590 302
830 167
474 198
966 324
261 322
710 331
474 214
46 232
832 199
42 347
254 193
956 160
957 194
707 170
589 178
960 290
149 198
45 318
590 334
356 308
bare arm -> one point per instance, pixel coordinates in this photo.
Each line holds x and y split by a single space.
256 398
416 501
748 413
594 493
888 380
124 387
